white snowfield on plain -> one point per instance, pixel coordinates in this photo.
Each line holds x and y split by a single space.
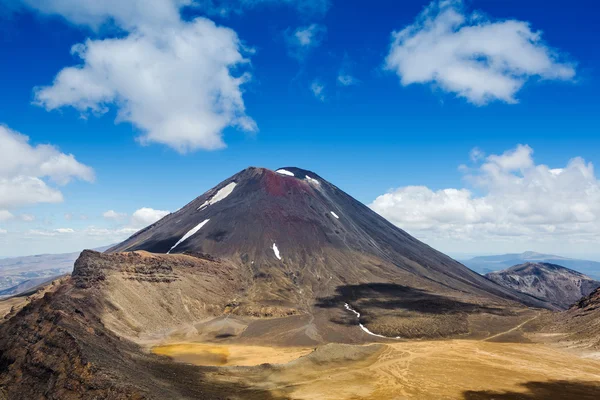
285 172
276 251
221 194
190 233
334 214
312 180
364 328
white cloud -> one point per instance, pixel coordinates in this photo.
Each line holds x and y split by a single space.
146 216
113 215
127 14
71 216
111 235
318 89
303 39
64 230
179 82
27 217
36 241
518 201
18 158
25 171
139 219
40 232
473 57
5 215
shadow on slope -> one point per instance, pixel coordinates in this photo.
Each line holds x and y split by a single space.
552 390
395 310
391 296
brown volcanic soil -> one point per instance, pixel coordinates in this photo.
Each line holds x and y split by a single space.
90 338
452 369
578 328
58 346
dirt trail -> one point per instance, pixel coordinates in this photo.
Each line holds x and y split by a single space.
522 324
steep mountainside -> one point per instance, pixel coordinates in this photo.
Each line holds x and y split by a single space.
297 232
550 282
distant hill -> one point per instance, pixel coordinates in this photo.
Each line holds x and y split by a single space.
550 282
15 271
27 286
486 264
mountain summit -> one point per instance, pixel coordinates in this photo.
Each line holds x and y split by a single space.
296 238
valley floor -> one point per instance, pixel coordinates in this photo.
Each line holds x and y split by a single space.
449 369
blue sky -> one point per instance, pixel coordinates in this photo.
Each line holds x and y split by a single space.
321 93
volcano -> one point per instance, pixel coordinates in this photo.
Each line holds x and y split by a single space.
301 243
266 258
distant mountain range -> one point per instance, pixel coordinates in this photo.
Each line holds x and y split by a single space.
487 264
553 283
22 273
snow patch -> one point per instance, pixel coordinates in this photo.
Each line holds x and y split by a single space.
276 251
334 214
364 328
285 172
312 180
190 233
221 194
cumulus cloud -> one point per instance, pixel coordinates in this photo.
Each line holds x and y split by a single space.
125 225
27 171
516 199
127 14
178 82
146 216
139 219
473 57
303 39
113 215
318 89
